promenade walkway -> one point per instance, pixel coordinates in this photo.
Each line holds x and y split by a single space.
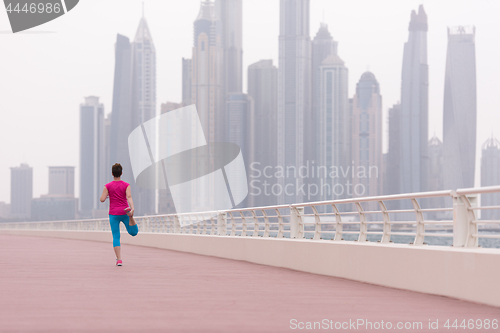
57 285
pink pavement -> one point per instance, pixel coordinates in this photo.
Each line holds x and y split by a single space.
57 285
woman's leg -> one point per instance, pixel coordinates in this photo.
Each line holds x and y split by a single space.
133 230
114 222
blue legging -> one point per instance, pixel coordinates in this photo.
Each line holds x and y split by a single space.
114 221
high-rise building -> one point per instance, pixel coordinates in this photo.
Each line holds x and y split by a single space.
263 88
121 115
4 210
134 102
459 114
322 46
435 177
240 129
207 78
414 107
92 155
165 200
143 102
393 159
490 176
230 14
294 94
62 181
367 137
334 127
435 165
21 191
187 74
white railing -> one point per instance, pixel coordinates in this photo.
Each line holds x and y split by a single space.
359 219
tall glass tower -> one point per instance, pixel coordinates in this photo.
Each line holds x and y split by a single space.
334 127
367 137
294 94
414 107
459 114
230 13
134 102
207 76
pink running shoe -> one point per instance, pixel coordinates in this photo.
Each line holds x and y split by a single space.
118 262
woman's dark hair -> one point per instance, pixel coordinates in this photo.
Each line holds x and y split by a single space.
116 170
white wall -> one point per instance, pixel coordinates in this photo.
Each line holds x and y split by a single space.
468 274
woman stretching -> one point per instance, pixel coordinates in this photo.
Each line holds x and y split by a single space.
119 210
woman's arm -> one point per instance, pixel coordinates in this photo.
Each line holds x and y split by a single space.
104 194
129 199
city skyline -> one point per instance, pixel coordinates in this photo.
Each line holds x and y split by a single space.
344 42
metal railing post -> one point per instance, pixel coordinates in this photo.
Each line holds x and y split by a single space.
177 225
296 226
463 217
221 223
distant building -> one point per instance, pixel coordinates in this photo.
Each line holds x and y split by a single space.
165 200
53 208
294 94
414 107
459 114
4 210
92 156
121 116
367 137
435 165
207 78
230 14
187 76
334 129
393 153
490 176
263 89
21 191
62 181
323 45
134 102
240 128
435 176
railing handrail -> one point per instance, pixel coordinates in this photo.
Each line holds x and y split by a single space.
464 223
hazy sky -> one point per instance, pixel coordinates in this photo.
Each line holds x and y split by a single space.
46 72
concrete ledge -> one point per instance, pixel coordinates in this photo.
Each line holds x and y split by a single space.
468 274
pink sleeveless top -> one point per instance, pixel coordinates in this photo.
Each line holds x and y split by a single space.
117 197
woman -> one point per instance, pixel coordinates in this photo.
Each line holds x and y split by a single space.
119 210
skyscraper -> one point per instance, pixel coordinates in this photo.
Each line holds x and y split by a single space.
393 160
263 88
334 127
435 177
294 93
121 115
92 155
414 107
230 14
207 78
240 128
134 102
143 102
187 74
459 114
21 191
490 176
165 200
367 137
322 46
